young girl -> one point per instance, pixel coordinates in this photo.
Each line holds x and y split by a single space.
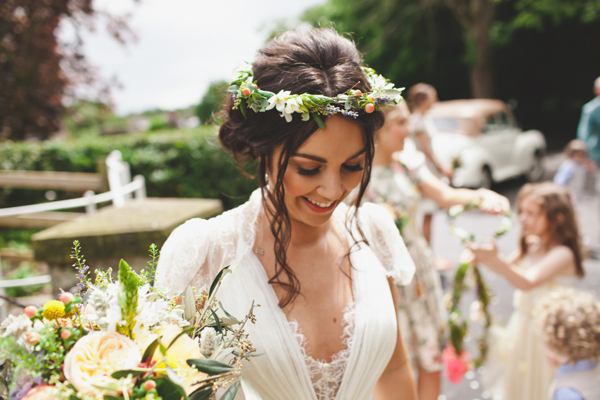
549 256
401 185
323 273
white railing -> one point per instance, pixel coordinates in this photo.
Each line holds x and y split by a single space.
121 189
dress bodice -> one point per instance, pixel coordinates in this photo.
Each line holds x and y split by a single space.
525 300
197 250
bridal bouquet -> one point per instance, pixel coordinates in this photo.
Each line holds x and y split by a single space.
124 339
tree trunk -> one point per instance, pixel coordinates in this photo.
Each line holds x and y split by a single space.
482 82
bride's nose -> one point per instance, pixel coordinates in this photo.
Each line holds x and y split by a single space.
331 187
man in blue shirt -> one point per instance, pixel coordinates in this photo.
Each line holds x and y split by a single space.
589 124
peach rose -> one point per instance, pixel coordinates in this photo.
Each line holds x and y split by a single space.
42 392
96 356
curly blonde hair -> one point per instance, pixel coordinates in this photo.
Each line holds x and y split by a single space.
570 323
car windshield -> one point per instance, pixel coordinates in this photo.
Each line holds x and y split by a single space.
446 124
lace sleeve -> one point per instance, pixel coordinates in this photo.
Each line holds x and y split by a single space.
386 242
184 258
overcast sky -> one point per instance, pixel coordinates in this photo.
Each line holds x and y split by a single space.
183 46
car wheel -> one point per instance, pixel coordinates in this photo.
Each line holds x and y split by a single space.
486 178
536 171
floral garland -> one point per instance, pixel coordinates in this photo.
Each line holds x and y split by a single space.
124 340
247 95
457 355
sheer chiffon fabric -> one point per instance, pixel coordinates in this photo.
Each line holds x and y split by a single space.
197 250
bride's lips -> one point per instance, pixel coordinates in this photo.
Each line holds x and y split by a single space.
318 209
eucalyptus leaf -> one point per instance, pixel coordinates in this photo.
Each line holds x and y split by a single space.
189 304
203 393
318 120
150 350
232 89
217 322
210 367
231 392
221 274
125 372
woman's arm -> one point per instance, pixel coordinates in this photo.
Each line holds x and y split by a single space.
558 260
446 196
421 137
397 381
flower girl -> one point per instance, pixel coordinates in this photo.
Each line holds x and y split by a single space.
549 256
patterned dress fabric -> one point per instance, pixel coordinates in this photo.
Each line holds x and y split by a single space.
422 316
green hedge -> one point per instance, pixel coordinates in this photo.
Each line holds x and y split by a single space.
176 163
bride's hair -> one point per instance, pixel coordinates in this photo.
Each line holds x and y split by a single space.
317 61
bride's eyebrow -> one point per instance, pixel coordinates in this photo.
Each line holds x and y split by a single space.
322 160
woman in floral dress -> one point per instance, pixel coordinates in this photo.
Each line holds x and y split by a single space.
399 183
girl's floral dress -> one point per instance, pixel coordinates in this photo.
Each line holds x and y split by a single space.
422 316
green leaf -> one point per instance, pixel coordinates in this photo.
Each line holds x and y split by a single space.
149 352
217 322
168 390
183 332
230 394
215 281
243 108
236 321
203 393
318 120
232 89
210 367
123 373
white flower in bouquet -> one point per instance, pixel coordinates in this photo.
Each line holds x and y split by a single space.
17 327
209 340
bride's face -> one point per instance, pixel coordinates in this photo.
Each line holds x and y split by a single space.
323 171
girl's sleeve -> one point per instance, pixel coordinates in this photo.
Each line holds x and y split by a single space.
385 240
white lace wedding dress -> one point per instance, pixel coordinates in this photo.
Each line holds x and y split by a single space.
198 249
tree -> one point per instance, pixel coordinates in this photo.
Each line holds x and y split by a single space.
212 102
37 72
484 25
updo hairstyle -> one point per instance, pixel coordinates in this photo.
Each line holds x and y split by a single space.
318 61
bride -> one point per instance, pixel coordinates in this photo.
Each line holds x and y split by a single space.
323 273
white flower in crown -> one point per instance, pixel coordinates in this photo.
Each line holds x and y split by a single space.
278 101
291 106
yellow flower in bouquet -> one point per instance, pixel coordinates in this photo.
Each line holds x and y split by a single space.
53 309
183 349
95 357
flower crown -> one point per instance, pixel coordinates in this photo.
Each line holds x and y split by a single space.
247 95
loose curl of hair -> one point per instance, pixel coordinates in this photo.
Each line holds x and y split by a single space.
557 204
569 320
318 61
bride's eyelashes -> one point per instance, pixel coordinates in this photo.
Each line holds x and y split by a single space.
315 171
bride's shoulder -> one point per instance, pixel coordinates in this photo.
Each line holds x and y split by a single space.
217 228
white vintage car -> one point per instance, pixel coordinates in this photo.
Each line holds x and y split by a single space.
481 139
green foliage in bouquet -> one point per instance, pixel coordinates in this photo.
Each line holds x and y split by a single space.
125 339
468 272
